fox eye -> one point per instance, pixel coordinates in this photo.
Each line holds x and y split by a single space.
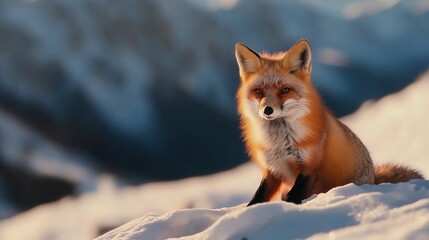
257 91
284 90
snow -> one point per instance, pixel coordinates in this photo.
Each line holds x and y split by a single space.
215 4
367 7
123 105
343 213
112 205
24 147
395 128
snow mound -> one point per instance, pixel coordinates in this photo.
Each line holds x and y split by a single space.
343 213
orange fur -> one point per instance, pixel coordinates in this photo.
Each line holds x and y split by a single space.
390 173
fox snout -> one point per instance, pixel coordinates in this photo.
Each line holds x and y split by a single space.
269 112
268 107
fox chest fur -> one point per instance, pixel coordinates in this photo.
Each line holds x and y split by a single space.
278 147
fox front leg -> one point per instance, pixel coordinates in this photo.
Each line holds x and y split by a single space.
300 190
267 188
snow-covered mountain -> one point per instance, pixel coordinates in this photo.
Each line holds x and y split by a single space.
122 80
35 170
391 128
139 85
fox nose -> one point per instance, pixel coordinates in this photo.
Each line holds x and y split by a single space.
268 110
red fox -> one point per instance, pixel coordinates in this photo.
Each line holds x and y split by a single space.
299 144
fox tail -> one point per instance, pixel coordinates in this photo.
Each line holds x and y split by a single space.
392 173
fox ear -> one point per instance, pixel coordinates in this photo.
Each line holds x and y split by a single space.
298 57
248 60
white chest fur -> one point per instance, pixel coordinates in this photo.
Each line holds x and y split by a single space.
279 140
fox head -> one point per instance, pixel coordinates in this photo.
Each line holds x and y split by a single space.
275 86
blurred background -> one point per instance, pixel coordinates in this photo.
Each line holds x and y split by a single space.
145 90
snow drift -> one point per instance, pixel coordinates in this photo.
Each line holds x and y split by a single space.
347 212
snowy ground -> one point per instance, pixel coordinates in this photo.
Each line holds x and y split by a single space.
394 128
348 212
